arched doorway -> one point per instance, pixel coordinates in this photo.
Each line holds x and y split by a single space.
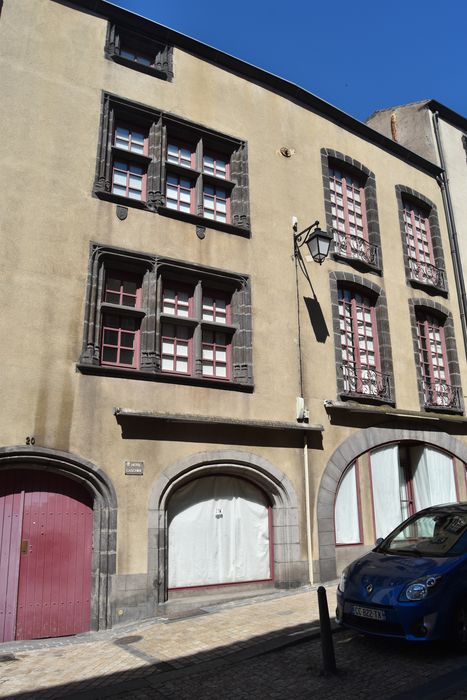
287 568
45 555
219 532
412 447
38 474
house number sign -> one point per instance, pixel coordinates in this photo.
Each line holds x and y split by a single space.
134 468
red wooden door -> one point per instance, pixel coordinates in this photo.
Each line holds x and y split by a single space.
11 517
53 569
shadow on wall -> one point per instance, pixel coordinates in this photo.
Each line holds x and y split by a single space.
317 319
146 428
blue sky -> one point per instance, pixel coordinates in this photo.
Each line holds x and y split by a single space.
360 56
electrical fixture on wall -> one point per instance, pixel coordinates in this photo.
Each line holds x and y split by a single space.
317 241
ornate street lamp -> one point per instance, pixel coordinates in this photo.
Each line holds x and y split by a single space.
318 242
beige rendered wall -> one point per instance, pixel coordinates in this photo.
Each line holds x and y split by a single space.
52 74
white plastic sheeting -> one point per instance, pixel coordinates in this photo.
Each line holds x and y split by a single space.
433 478
346 511
218 533
385 477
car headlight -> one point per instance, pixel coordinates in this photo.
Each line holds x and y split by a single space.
420 588
343 580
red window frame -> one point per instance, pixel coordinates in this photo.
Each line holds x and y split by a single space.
180 160
115 323
170 333
433 357
219 315
215 170
179 188
179 290
215 346
418 235
348 215
131 130
119 294
216 199
125 169
357 319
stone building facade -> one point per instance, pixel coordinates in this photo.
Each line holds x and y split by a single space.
190 407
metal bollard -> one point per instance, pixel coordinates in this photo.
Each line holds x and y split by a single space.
327 644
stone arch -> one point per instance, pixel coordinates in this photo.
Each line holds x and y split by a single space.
289 571
347 452
98 484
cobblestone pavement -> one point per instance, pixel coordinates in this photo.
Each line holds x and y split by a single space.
43 668
261 648
366 669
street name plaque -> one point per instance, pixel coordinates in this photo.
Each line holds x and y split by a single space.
134 468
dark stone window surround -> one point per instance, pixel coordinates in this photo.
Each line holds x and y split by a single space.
162 66
154 269
428 305
158 124
328 156
418 199
377 294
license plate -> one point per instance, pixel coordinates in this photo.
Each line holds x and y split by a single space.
369 613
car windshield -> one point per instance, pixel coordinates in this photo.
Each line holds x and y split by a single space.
433 535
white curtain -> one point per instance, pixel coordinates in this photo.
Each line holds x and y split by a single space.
346 509
218 533
433 477
385 477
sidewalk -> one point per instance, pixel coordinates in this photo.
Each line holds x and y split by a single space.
263 647
133 651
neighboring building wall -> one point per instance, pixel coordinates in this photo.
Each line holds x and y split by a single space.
409 125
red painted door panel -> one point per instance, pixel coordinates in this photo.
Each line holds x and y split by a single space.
11 516
54 587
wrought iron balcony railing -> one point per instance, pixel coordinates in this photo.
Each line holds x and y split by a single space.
355 247
426 273
441 395
365 381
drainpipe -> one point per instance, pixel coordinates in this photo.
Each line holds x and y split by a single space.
307 507
451 224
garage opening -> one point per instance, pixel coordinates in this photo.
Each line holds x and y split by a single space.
219 533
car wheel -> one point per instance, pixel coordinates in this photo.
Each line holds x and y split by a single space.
459 630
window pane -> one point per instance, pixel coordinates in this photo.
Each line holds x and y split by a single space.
110 337
182 349
126 357
109 355
127 340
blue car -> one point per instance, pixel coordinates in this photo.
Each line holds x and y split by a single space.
413 585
